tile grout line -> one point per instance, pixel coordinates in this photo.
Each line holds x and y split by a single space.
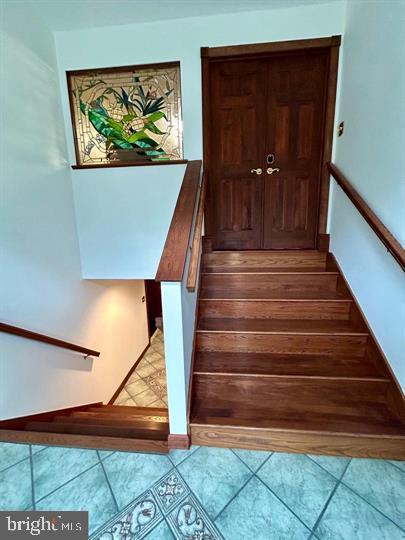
326 470
32 478
14 464
108 481
248 466
68 481
234 496
185 459
283 503
394 465
372 505
322 513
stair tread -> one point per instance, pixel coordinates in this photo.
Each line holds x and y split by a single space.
219 269
285 364
101 430
124 416
140 411
116 421
219 293
295 326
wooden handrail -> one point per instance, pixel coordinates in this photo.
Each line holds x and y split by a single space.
28 334
389 241
173 259
197 239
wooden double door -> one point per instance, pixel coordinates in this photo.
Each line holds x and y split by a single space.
266 124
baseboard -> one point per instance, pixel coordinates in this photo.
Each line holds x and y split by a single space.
323 242
179 442
128 375
396 396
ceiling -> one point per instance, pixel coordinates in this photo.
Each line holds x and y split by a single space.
75 14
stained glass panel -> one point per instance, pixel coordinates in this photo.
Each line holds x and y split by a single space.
126 115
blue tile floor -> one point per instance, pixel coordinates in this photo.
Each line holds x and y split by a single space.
209 493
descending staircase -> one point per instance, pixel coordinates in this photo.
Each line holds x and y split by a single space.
285 361
117 427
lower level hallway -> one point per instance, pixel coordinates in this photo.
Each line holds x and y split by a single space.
209 493
147 385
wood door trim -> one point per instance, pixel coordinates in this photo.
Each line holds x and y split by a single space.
271 47
209 54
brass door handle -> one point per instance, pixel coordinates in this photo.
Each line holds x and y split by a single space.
270 170
257 171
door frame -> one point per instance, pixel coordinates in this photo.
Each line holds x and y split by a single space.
209 54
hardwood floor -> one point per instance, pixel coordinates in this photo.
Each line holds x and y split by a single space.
285 361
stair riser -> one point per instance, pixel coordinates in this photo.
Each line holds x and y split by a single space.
259 283
265 259
275 309
303 443
281 343
287 395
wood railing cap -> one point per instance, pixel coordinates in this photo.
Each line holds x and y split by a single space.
43 338
386 237
173 260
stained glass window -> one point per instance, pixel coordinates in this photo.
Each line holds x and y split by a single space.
126 115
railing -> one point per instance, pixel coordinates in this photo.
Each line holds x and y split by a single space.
197 240
174 256
28 334
389 241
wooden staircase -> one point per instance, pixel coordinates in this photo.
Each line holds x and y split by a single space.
284 360
114 427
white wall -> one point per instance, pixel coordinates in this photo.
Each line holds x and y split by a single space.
371 154
123 219
40 282
107 225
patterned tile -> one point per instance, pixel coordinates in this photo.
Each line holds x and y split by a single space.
188 521
90 492
381 484
56 466
146 398
170 490
256 514
214 475
177 456
15 487
128 403
300 483
334 465
348 517
161 532
134 521
136 387
11 453
253 459
144 369
131 474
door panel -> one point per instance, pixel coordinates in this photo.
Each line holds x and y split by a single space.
237 94
295 110
272 105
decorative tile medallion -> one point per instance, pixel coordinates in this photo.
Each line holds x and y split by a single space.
133 522
188 521
170 490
